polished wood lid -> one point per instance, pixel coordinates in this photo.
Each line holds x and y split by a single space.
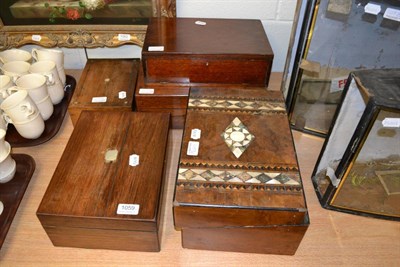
218 36
85 190
245 158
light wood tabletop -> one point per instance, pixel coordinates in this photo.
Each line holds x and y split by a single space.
332 239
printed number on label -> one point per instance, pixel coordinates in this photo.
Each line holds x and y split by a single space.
128 209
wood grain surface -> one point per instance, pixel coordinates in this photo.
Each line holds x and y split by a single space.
169 98
222 51
80 203
332 239
105 78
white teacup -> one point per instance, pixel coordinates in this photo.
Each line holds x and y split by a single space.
36 86
15 69
54 55
19 107
31 129
5 83
7 163
15 55
54 85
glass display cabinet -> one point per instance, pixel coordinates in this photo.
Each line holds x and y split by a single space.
358 169
336 38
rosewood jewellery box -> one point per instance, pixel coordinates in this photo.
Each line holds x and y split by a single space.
105 85
182 52
107 190
238 186
200 51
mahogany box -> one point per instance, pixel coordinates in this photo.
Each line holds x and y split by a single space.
238 184
105 84
107 190
207 51
160 97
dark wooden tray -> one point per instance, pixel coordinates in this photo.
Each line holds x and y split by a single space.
11 193
52 125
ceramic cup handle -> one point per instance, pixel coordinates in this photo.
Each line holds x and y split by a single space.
50 79
28 109
7 119
4 94
15 78
12 90
34 54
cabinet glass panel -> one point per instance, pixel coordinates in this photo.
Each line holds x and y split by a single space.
372 183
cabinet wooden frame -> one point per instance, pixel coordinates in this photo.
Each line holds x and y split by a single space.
78 34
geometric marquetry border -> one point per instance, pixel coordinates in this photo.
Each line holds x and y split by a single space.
239 177
242 105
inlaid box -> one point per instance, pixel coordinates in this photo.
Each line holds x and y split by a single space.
105 85
160 97
107 190
238 186
206 51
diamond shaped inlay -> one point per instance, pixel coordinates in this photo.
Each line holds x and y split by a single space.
237 137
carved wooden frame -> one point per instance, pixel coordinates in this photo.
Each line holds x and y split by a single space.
83 35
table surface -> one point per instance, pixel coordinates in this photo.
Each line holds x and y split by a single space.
333 238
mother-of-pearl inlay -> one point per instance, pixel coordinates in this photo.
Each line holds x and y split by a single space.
237 136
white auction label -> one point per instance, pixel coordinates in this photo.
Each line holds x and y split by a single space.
36 37
393 14
201 23
391 122
195 134
122 94
134 160
146 91
124 37
373 9
159 48
99 99
128 209
193 148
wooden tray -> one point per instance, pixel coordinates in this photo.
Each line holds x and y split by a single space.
11 193
52 125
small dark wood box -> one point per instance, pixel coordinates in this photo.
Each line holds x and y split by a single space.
226 51
101 86
95 201
242 192
159 97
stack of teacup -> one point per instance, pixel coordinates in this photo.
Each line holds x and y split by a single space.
29 89
7 163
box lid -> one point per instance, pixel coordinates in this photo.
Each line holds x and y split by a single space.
217 36
88 186
103 82
246 158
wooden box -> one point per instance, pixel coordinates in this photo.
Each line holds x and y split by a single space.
227 51
100 199
159 97
242 191
105 84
